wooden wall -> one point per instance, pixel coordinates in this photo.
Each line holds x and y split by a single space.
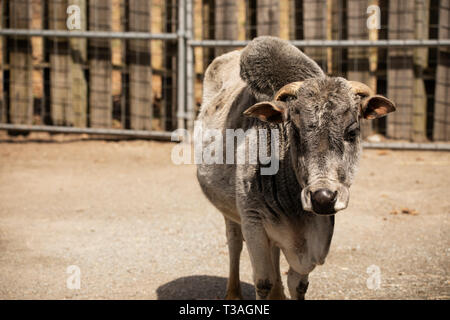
133 84
441 130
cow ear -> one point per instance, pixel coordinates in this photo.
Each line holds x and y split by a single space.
376 106
269 111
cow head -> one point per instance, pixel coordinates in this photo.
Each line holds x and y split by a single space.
323 116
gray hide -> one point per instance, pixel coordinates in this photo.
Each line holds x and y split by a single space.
319 148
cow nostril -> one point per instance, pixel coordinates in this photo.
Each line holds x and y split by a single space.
324 196
323 201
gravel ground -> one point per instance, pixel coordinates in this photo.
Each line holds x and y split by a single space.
138 227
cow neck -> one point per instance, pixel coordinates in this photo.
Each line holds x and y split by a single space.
282 190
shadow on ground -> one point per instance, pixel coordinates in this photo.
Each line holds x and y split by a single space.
198 288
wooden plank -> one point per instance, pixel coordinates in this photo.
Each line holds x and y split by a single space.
296 20
242 19
268 17
400 70
120 76
335 24
169 97
225 20
78 51
358 58
314 28
41 99
208 32
251 19
292 19
2 61
157 61
61 111
441 130
225 23
140 71
198 34
420 58
20 60
373 53
100 66
198 53
284 18
329 34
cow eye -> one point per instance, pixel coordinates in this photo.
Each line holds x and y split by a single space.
352 132
287 98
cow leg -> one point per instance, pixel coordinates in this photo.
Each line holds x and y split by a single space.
298 284
259 249
277 292
234 240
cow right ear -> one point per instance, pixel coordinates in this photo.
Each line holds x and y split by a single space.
376 106
372 106
268 111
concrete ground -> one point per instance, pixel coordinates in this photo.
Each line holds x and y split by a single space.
137 226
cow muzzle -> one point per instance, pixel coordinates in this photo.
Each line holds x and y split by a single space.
325 197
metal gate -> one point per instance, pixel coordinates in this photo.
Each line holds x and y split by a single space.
138 77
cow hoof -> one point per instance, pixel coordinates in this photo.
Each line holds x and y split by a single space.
301 290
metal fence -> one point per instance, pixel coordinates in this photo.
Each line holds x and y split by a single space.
134 68
116 73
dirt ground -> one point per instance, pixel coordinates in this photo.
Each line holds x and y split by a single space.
138 226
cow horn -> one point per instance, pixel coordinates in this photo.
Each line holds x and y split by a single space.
361 89
288 90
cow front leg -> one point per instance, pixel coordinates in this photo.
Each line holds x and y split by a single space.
259 249
298 284
277 292
234 241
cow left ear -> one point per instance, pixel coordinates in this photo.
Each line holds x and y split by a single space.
269 111
376 106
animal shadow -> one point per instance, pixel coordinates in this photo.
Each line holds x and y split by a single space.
200 288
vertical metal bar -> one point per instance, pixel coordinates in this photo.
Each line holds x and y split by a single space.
190 75
181 64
